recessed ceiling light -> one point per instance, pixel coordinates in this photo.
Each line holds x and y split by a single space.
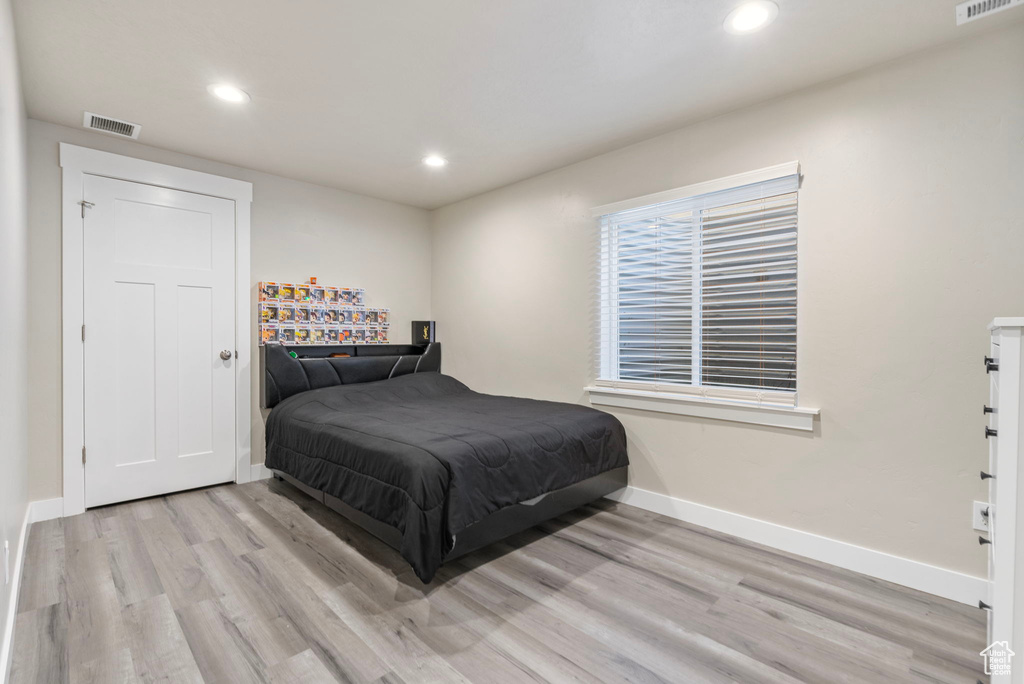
229 93
435 160
751 16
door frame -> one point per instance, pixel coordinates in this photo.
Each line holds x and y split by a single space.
76 163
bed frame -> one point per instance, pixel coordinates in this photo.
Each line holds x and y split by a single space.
494 527
282 376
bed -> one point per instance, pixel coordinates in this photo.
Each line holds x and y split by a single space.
427 465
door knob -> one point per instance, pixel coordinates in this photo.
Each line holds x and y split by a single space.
225 355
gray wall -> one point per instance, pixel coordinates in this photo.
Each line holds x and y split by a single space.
911 240
14 448
298 230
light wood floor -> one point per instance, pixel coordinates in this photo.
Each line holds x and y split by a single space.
259 583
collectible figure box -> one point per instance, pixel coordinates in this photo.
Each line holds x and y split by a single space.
358 316
268 292
302 292
331 296
317 334
268 334
302 334
344 335
268 312
332 316
359 335
317 315
358 295
345 296
316 294
302 313
384 316
331 334
285 312
286 334
286 292
371 317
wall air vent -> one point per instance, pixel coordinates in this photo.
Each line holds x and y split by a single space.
105 124
976 9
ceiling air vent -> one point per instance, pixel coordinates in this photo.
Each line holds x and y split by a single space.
122 129
976 9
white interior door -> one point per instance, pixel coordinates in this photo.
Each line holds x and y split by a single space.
159 312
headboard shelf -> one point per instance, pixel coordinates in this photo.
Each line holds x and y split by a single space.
282 375
321 351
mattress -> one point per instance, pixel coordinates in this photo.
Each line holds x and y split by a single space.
430 457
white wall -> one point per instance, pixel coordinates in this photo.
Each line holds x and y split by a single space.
911 239
298 230
14 310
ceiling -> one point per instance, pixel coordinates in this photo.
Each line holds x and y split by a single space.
353 93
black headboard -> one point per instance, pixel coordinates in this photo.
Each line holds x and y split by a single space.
283 376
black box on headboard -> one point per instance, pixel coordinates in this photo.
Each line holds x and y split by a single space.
422 332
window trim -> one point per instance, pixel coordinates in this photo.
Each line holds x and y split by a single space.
729 182
736 404
793 417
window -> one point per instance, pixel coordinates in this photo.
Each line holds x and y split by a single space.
698 291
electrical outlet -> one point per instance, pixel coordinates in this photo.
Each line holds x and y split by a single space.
980 516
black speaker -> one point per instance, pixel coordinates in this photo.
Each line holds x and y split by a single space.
422 332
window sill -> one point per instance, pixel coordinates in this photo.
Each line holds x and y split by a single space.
797 418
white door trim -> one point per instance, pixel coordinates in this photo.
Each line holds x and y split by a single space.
77 162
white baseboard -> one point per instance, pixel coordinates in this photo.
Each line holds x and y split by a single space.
909 573
6 654
47 509
259 472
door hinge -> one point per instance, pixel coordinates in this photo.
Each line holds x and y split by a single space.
83 332
86 205
83 454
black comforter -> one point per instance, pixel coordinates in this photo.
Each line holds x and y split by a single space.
429 456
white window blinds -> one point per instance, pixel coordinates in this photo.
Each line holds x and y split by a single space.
698 293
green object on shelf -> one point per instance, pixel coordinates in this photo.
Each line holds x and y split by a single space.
293 355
